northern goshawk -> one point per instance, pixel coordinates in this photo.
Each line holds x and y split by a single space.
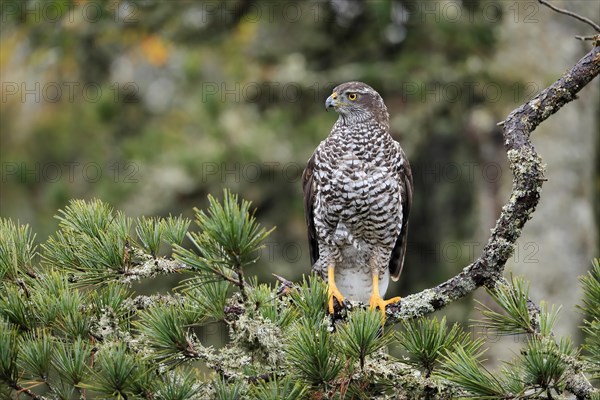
357 197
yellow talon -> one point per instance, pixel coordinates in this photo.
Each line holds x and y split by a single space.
332 290
376 300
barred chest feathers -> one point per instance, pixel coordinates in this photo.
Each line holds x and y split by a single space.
358 203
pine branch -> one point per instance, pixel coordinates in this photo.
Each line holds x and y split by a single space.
525 316
30 393
575 380
151 268
229 240
528 176
144 302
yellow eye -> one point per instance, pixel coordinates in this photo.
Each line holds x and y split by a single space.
351 96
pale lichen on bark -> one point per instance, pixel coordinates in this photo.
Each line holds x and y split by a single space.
528 176
150 267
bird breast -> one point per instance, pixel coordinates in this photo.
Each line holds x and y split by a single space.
363 196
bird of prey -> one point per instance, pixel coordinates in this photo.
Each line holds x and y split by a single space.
357 197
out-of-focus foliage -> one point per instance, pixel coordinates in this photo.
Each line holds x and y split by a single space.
151 105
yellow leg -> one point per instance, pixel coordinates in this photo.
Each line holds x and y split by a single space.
332 290
376 300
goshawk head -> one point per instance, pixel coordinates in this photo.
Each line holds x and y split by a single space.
356 102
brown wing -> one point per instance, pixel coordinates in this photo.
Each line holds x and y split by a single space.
309 204
406 184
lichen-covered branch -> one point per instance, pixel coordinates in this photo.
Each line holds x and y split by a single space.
143 302
152 267
528 176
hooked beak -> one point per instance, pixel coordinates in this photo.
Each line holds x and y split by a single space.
332 101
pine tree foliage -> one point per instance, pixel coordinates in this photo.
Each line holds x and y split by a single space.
116 371
228 241
8 352
513 300
90 243
17 250
35 354
362 335
310 299
464 367
229 391
538 371
73 327
591 310
427 340
279 389
208 297
311 353
149 232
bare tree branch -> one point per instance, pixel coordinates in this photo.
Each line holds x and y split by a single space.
528 176
571 14
584 38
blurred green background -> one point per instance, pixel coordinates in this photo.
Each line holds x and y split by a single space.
151 105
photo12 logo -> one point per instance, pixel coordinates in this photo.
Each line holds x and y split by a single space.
250 172
53 172
457 252
71 92
54 12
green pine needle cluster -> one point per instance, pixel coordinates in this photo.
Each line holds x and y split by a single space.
208 296
426 341
228 241
591 324
164 329
464 367
277 389
94 244
310 298
512 299
362 335
9 338
72 327
151 232
538 371
17 250
310 352
90 243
